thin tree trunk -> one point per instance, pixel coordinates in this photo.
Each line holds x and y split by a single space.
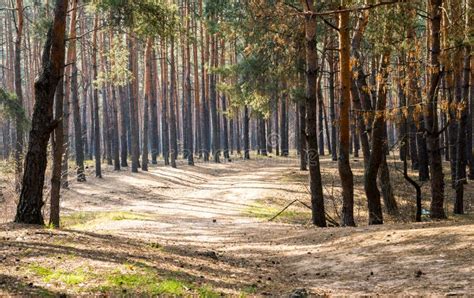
58 149
315 183
165 136
213 104
19 96
461 137
284 126
302 138
95 107
148 96
134 98
155 144
246 133
188 104
172 110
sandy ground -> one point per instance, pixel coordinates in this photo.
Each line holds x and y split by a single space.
196 212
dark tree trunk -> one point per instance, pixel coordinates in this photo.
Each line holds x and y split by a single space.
262 136
225 128
274 138
79 147
115 131
315 183
107 127
431 117
461 137
387 191
246 133
123 127
213 104
134 97
19 96
359 88
284 126
155 144
412 143
172 110
58 149
147 99
332 108
302 138
320 116
165 135
87 153
31 196
378 148
95 107
188 105
237 133
470 128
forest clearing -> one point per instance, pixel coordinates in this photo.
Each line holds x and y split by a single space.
211 148
200 226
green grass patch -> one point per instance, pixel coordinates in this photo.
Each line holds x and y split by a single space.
208 292
69 278
269 207
146 282
90 219
249 290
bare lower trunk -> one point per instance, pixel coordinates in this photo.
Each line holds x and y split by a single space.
345 172
58 149
315 183
31 196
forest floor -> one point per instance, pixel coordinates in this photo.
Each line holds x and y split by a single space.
205 230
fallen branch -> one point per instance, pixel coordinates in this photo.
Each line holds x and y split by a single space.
328 217
283 210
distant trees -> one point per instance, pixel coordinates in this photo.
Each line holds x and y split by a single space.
146 82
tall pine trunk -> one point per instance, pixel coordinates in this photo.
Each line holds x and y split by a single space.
19 95
134 98
378 146
315 183
431 115
31 196
345 171
172 110
95 107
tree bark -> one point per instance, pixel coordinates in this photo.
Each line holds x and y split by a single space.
19 96
31 196
95 107
172 109
431 114
76 113
345 172
246 133
315 183
148 96
134 98
378 147
58 149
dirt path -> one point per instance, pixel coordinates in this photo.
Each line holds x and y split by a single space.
195 216
199 209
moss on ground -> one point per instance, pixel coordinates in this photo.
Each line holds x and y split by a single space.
89 219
